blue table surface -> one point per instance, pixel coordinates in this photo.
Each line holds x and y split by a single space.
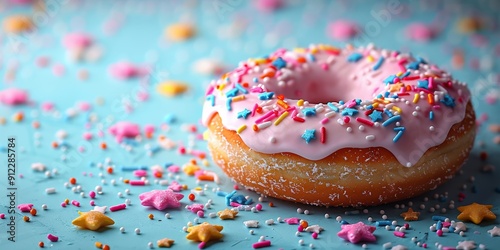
229 31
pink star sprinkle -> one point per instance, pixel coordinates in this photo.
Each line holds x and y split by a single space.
25 207
195 208
357 232
161 199
175 186
292 221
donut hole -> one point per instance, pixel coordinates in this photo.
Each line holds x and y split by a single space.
317 85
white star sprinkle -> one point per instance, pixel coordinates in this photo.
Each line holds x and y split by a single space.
495 231
37 166
314 229
460 226
251 223
100 209
466 245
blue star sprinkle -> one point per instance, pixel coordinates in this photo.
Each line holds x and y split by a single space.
279 63
309 134
376 115
448 101
309 111
244 114
349 111
266 95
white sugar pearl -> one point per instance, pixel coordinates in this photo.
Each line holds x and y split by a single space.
299 210
306 212
128 202
339 218
122 229
137 231
384 217
262 238
327 216
167 215
150 244
251 232
44 206
301 242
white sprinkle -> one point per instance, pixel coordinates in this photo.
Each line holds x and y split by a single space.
50 190
370 137
122 229
137 231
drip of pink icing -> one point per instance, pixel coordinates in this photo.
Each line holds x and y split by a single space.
341 80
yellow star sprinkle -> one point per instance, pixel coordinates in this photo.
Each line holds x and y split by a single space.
171 88
190 169
476 213
165 242
227 214
205 232
410 215
92 220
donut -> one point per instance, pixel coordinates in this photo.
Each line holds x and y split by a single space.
329 126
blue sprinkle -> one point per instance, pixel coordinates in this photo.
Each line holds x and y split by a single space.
309 111
333 107
266 95
412 65
448 101
349 111
398 135
310 57
380 96
383 223
228 197
375 115
407 73
386 94
244 114
238 198
354 57
241 88
439 225
228 104
133 168
309 134
221 193
211 98
279 63
341 102
249 201
390 79
358 101
423 84
388 113
344 222
379 63
421 60
395 96
438 218
391 120
369 107
399 129
255 80
168 164
431 115
232 92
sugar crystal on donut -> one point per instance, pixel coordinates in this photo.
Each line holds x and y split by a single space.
290 95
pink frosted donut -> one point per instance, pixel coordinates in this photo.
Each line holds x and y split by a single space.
13 96
345 127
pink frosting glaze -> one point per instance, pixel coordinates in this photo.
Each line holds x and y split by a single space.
341 89
13 96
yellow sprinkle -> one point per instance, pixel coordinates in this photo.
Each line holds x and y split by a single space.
416 98
396 108
282 116
180 31
17 24
258 61
171 88
369 58
375 104
299 50
313 50
300 102
399 74
241 128
238 98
